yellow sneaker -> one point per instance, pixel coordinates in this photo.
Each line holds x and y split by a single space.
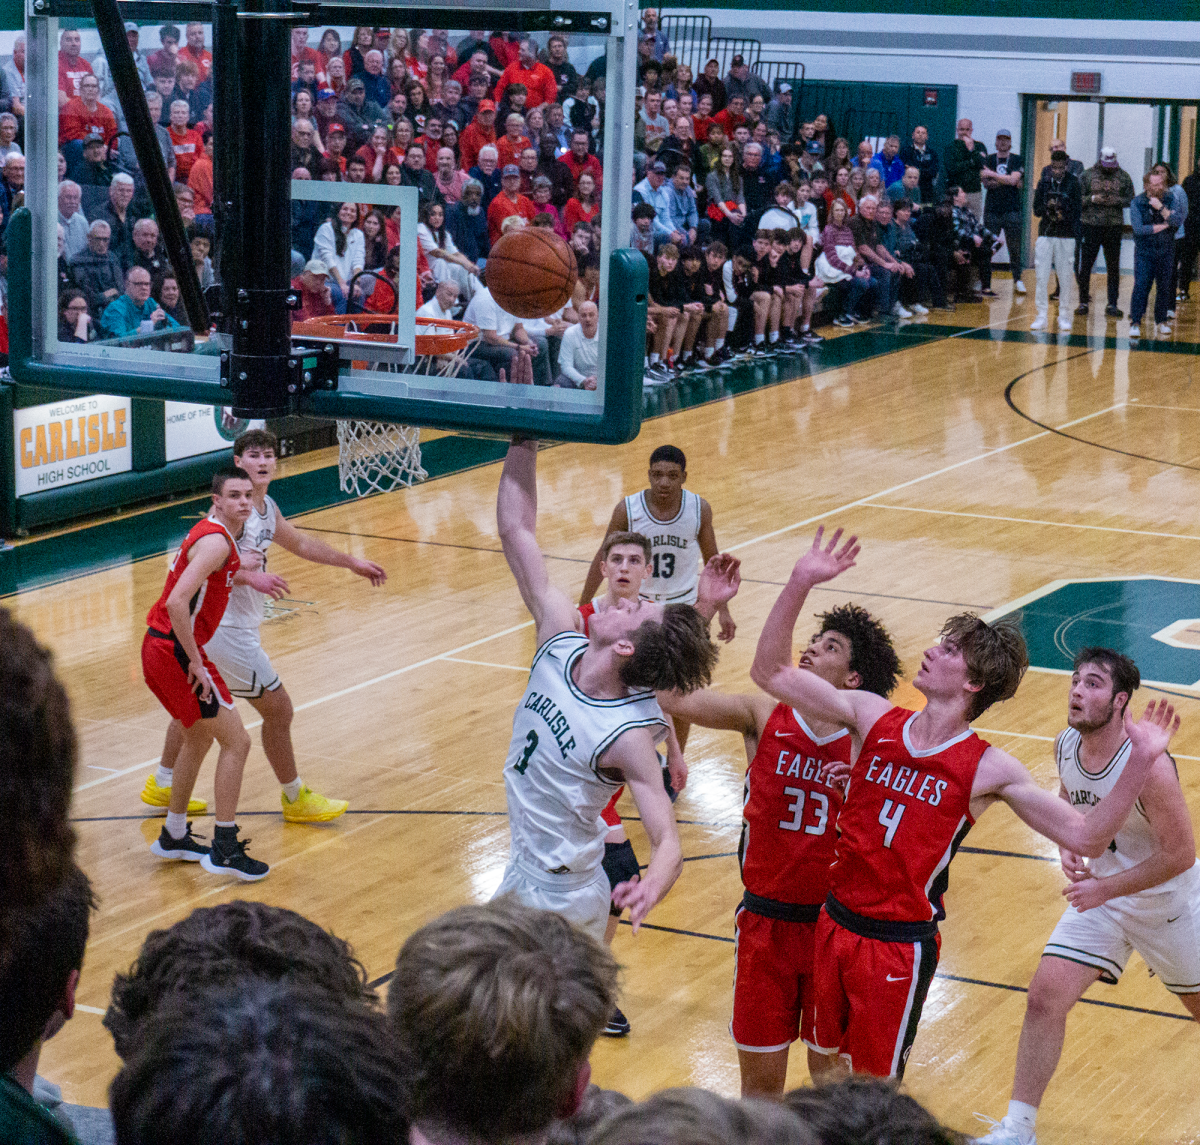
310 807
157 796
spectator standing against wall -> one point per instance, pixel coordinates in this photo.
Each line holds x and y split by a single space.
1003 175
1106 191
742 81
965 158
888 162
1186 251
920 155
14 77
1057 203
1154 222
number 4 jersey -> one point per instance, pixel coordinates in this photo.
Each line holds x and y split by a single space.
552 777
905 814
789 816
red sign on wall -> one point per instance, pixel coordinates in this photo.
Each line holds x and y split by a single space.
1085 83
931 97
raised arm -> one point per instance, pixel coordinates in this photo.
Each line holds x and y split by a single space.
634 755
707 538
312 548
1001 777
773 670
617 523
516 521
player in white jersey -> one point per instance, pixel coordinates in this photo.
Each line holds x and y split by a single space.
1142 894
236 647
587 722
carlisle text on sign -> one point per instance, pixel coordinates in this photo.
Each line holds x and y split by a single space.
71 441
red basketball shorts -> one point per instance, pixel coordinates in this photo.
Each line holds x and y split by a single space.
165 668
773 988
609 814
869 996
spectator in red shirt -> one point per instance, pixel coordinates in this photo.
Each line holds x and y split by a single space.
509 201
195 51
312 284
733 116
167 56
200 178
376 154
301 52
479 132
475 65
538 79
80 115
584 206
186 142
514 140
506 48
72 67
432 140
578 160
528 163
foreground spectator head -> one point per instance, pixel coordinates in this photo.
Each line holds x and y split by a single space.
70 196
589 319
866 1109
262 1063
145 236
217 946
699 1117
497 1007
472 196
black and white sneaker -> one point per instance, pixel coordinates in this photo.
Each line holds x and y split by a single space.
812 338
189 849
230 858
618 1025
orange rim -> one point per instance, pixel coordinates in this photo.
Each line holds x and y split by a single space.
443 336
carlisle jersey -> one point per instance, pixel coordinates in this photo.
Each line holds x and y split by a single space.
674 548
1135 841
790 812
905 814
553 781
208 605
246 604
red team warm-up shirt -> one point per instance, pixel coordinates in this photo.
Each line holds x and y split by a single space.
790 812
208 605
917 805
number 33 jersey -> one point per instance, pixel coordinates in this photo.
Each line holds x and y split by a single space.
905 814
674 548
552 776
790 811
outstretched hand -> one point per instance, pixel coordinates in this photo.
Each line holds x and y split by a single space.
267 583
634 896
823 563
720 580
369 569
1152 733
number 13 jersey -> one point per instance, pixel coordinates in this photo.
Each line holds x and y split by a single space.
552 778
905 814
674 548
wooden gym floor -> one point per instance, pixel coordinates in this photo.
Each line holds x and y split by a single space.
404 695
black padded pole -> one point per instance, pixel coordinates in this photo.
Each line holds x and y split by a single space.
154 169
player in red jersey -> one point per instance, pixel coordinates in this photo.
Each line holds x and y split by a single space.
789 820
920 780
181 622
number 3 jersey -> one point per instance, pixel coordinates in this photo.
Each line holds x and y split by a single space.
905 814
790 811
674 548
552 776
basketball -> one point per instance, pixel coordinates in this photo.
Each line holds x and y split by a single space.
531 272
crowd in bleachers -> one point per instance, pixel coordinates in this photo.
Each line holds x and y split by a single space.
249 1024
757 226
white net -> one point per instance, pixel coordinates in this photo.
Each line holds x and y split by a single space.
377 457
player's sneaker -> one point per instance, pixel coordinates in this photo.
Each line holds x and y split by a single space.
917 308
157 796
310 806
618 1025
230 858
812 338
1163 328
1135 331
1019 287
1038 324
1005 1132
189 848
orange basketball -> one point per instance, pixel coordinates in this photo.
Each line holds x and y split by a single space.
531 272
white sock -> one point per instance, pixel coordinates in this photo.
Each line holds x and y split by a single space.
774 336
654 359
720 343
177 824
708 352
291 790
805 328
759 339
732 317
231 823
1022 1114
163 776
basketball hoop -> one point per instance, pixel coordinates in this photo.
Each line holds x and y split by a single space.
376 457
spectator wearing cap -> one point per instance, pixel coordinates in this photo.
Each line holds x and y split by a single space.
96 270
1106 190
709 83
920 155
1003 175
312 287
810 159
888 162
335 147
781 115
742 81
358 114
1057 204
539 80
653 190
508 201
514 140
479 132
165 58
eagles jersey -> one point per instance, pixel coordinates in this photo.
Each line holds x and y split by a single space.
674 548
246 604
1135 841
552 778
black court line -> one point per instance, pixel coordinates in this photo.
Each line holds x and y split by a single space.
883 595
382 980
1074 437
1007 854
717 855
676 930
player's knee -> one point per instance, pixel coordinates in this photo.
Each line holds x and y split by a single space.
1049 998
